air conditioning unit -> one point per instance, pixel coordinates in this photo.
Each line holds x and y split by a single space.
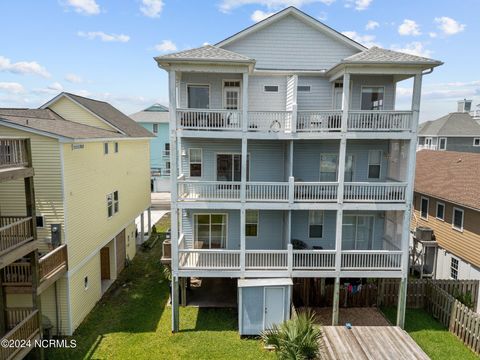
424 233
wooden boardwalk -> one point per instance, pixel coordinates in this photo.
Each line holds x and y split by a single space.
369 342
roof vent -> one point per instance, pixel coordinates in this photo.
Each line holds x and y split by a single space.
464 105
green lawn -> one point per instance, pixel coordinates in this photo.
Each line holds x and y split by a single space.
133 321
432 337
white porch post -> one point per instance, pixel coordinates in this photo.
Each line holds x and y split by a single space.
402 298
243 184
345 101
336 301
245 102
172 81
142 227
149 221
294 105
242 240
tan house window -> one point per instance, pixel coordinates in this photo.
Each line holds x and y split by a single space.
457 222
424 208
113 205
440 211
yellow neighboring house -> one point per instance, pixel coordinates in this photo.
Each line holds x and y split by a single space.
92 180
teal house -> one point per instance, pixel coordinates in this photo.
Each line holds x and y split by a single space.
155 119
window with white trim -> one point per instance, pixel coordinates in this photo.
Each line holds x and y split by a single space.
113 205
454 268
304 88
116 147
476 141
40 221
374 164
457 219
195 162
440 215
105 148
270 88
251 223
372 98
442 143
424 208
198 96
155 129
315 224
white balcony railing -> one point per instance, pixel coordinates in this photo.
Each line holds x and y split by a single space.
267 191
426 147
371 260
209 259
312 121
313 259
208 190
379 120
166 153
375 192
269 121
315 192
206 119
266 259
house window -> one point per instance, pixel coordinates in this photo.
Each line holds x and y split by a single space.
303 88
374 164
40 221
112 203
116 147
329 167
315 224
195 159
442 144
424 208
440 211
357 232
231 83
210 231
457 223
454 268
372 98
105 148
251 223
270 88
229 167
198 96
476 142
85 283
155 129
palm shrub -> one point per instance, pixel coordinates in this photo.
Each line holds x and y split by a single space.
295 339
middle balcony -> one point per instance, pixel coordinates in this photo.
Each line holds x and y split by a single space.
291 172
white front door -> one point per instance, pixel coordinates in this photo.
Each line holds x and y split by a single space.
274 305
428 142
231 98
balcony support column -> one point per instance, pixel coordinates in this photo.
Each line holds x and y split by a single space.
149 221
336 301
245 102
142 226
345 101
338 240
242 240
243 185
402 302
175 305
341 168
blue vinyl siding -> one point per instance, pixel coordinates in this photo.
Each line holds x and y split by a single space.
300 229
157 144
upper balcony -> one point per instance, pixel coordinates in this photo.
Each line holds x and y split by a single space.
16 238
15 160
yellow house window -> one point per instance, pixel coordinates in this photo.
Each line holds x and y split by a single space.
105 148
113 204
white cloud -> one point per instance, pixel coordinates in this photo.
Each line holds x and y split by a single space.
87 7
259 15
414 48
53 88
152 8
432 34
166 46
409 27
229 5
449 26
73 78
359 5
104 36
371 25
22 67
365 40
12 87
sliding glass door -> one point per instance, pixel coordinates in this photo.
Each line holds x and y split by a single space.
357 232
210 231
229 167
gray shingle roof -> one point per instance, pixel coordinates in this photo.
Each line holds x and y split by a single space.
45 120
453 124
112 116
378 55
146 116
205 53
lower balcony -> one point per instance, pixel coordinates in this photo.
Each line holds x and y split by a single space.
16 238
23 324
17 277
387 192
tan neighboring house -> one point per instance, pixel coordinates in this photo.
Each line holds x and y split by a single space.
92 180
447 200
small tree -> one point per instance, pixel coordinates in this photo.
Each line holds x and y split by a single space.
295 339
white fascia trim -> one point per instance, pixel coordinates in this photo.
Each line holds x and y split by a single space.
302 16
33 131
59 96
89 140
71 272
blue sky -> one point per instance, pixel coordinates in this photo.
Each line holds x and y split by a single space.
104 48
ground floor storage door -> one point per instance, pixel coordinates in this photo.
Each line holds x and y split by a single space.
121 251
104 263
274 304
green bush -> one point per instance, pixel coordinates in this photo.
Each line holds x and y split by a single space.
465 298
295 339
